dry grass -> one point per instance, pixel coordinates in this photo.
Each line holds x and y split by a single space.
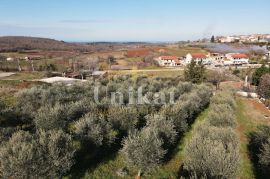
150 72
182 51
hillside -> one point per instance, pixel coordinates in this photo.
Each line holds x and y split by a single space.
19 43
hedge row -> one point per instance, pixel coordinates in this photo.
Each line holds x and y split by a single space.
213 151
147 148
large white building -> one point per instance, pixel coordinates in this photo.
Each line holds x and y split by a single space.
237 58
197 57
169 61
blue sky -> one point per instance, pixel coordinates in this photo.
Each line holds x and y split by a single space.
133 20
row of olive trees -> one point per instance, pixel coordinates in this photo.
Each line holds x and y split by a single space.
260 150
71 115
42 155
213 151
146 149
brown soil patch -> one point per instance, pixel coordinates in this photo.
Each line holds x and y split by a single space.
257 111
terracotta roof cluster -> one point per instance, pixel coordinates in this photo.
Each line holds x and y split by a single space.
239 56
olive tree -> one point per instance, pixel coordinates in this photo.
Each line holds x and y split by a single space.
18 157
163 128
222 116
259 148
264 158
143 150
57 150
123 119
95 128
211 158
225 97
28 101
42 155
264 86
51 117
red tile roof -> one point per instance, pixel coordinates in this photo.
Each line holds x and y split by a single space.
198 55
169 57
239 56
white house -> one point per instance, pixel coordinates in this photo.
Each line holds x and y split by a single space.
237 58
198 57
227 39
170 61
217 57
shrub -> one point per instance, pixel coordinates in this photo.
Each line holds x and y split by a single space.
143 150
95 128
259 148
124 119
76 110
44 155
163 128
213 151
258 138
259 73
224 135
222 116
28 101
211 158
264 158
225 97
51 117
18 157
57 149
264 86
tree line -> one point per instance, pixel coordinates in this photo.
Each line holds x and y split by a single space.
213 151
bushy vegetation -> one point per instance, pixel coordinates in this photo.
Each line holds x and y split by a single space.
213 151
195 72
161 131
264 86
52 130
260 150
41 155
256 77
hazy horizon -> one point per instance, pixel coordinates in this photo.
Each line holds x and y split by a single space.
132 21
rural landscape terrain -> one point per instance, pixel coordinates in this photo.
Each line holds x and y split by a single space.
197 108
52 125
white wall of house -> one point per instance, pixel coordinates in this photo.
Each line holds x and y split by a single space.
166 62
189 58
237 60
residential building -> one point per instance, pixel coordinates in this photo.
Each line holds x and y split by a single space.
217 57
198 57
170 61
237 58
